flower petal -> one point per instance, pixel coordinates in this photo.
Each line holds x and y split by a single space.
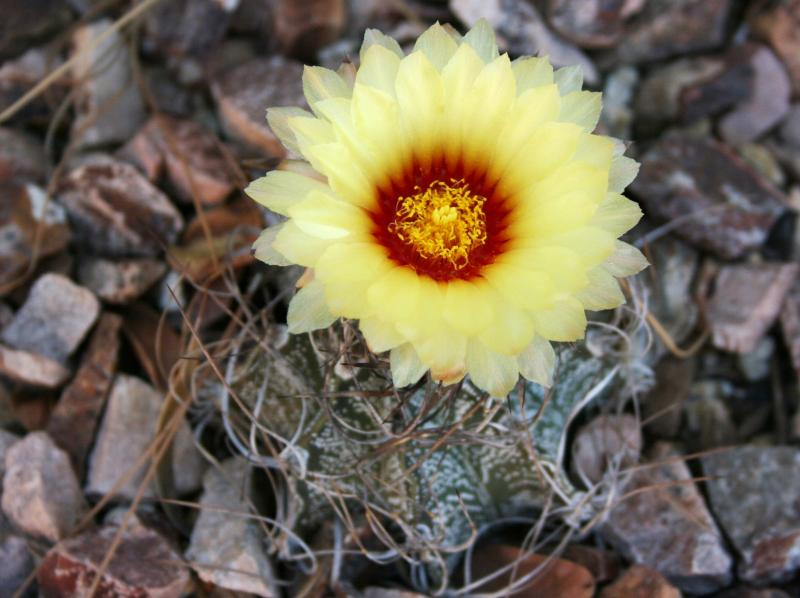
625 261
263 250
565 321
581 108
623 171
496 374
308 310
278 120
438 45
531 72
617 214
603 291
538 362
373 37
481 38
406 366
279 190
380 336
321 84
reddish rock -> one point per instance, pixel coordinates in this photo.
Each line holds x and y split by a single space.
156 344
593 24
54 319
744 592
189 153
122 281
604 565
753 492
663 404
778 23
243 94
41 495
144 566
640 582
722 204
608 442
73 422
662 522
116 211
666 28
21 157
302 28
746 302
556 579
32 369
109 108
522 30
29 226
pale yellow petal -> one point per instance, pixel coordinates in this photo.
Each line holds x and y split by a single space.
568 79
395 295
376 118
511 329
626 260
321 84
458 77
444 352
481 38
565 321
538 362
467 307
310 131
521 285
373 37
406 367
438 45
344 175
380 336
320 215
278 120
279 190
623 171
595 150
592 245
308 310
297 246
531 72
263 250
561 265
348 270
420 94
617 214
582 108
496 374
603 291
378 69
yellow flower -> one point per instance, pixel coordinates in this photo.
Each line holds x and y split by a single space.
453 201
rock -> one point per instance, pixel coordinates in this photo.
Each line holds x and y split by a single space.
664 524
154 341
109 107
790 324
640 582
755 365
191 154
73 422
21 157
144 566
604 565
227 547
778 23
187 33
522 31
188 464
753 493
746 302
20 75
723 205
115 211
666 28
607 443
375 592
24 22
744 592
766 105
18 564
302 28
41 495
29 226
32 369
708 420
593 24
243 93
761 158
617 114
122 281
54 320
126 431
790 128
663 405
557 578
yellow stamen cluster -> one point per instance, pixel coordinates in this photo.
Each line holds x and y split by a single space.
445 221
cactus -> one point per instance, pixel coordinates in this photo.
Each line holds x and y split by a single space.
433 464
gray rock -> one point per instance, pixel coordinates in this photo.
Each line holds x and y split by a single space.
17 565
708 420
790 324
593 23
144 565
54 320
41 495
608 442
790 128
21 157
662 406
617 114
756 364
119 282
665 524
227 546
753 493
110 108
522 30
746 302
